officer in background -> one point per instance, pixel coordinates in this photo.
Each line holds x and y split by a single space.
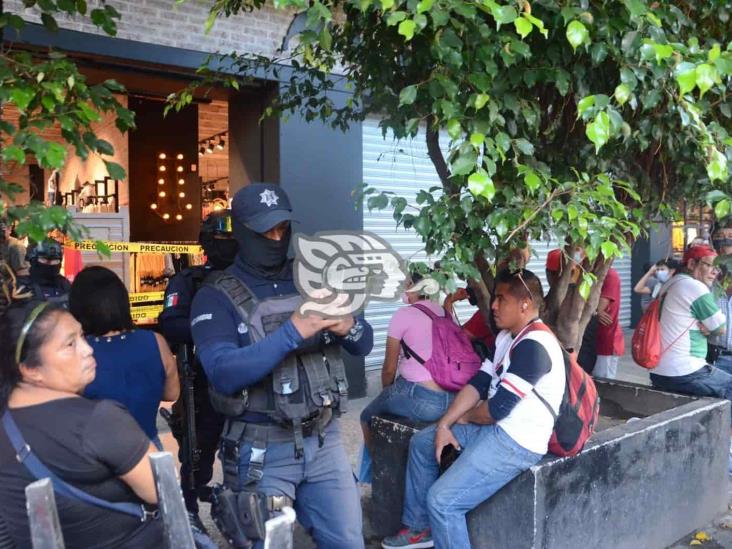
45 282
279 378
174 321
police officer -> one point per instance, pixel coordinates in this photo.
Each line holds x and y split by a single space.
174 322
45 282
280 378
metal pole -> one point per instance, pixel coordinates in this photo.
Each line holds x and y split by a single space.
280 530
42 515
178 533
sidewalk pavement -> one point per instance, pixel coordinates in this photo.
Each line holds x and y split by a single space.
715 535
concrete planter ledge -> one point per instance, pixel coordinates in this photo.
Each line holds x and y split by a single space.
644 483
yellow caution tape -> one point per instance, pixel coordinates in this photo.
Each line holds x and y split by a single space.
139 247
145 313
146 297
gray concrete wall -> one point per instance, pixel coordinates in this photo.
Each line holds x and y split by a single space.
645 483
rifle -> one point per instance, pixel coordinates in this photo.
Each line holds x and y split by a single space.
183 423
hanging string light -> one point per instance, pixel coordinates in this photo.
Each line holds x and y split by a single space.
168 203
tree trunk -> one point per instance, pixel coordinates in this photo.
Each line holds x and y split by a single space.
575 312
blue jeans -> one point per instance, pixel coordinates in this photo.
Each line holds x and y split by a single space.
707 381
490 460
724 363
410 400
327 501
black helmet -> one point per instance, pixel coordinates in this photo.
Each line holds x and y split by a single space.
217 223
48 249
217 240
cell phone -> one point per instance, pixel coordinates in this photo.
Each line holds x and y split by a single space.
448 456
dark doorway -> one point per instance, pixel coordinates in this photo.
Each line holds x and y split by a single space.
165 189
35 173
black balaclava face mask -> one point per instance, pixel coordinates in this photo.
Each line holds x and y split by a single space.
260 255
43 273
220 252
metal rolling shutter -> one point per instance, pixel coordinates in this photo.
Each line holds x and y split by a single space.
404 168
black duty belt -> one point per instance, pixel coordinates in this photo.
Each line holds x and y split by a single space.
278 432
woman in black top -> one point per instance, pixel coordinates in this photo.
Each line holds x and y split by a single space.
95 446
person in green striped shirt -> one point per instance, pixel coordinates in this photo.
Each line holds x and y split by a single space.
689 315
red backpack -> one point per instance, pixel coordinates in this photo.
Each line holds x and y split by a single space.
646 342
453 362
580 406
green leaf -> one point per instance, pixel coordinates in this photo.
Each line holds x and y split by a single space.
532 181
722 209
538 23
22 97
706 77
453 128
55 155
717 166
609 249
523 26
480 184
714 53
465 163
424 6
622 94
584 104
104 147
115 170
408 95
663 51
14 153
598 131
686 77
395 17
480 100
524 146
577 34
387 4
504 15
636 8
585 288
406 29
49 22
477 139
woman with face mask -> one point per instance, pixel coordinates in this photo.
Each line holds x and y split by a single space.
409 390
650 283
95 446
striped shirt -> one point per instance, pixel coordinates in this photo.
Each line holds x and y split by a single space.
685 304
508 383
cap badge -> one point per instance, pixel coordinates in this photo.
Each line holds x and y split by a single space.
269 198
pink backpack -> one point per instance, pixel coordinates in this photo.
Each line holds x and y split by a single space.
453 362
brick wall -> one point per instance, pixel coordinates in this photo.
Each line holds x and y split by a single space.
166 23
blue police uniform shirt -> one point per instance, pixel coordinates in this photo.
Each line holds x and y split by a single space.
175 319
223 346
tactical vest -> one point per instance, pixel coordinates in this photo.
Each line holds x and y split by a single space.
308 381
58 293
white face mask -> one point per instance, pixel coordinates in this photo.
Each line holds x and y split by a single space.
405 298
662 276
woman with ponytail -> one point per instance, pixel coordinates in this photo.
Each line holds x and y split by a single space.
93 446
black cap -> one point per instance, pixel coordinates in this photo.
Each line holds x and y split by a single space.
261 206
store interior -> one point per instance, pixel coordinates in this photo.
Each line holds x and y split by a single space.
178 166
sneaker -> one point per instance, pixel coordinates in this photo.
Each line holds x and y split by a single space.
409 539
